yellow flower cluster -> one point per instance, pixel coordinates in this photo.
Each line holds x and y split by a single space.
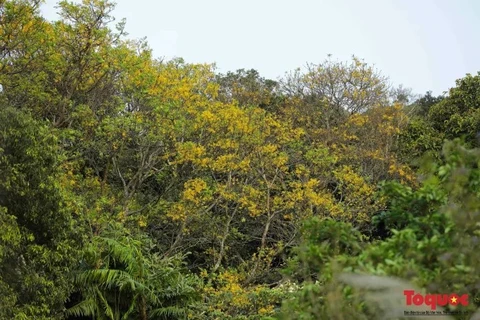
192 190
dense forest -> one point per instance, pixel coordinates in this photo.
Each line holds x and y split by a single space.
139 188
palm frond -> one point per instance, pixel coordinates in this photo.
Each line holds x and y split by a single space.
131 309
110 278
86 308
106 307
171 312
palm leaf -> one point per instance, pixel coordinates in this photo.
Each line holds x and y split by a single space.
106 307
171 312
131 308
86 308
110 278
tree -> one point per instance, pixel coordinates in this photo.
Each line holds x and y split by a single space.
52 68
459 113
402 95
423 104
42 239
339 87
249 89
124 278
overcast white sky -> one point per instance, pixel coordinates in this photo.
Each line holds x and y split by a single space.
422 44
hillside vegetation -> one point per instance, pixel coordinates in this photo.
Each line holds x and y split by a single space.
137 188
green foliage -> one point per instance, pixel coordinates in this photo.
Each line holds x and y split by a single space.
323 240
40 238
461 175
431 232
422 106
248 88
315 301
418 138
444 259
458 114
415 209
124 176
445 117
124 278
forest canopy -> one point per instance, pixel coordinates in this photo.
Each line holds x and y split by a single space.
140 188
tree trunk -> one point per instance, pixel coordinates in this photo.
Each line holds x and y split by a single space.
143 308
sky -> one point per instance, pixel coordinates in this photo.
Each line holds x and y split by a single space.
422 44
